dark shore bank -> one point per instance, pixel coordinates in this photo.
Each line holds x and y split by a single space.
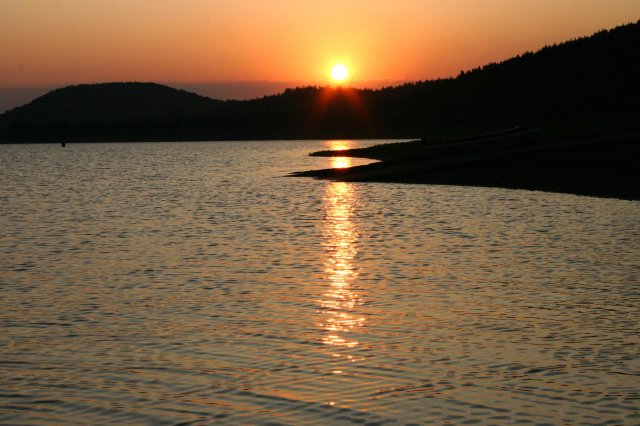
596 165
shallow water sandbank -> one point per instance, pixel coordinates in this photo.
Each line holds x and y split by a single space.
600 167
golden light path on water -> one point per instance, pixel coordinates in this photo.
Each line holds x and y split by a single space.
340 145
340 237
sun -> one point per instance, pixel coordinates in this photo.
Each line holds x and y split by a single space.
339 72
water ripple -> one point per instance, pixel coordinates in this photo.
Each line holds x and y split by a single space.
187 284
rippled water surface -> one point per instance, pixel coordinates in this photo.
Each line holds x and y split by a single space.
192 283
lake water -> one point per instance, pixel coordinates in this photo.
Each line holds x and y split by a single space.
190 283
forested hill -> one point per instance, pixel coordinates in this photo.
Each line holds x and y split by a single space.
592 79
113 103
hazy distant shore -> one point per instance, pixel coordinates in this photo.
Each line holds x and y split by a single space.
600 166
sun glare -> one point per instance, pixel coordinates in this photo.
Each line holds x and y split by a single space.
339 72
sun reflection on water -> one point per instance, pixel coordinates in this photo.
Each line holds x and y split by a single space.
340 237
340 145
340 162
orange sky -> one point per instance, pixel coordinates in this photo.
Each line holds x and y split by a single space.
47 42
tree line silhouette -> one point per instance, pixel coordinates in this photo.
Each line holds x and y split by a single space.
591 79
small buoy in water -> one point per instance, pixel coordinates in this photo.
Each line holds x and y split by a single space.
63 144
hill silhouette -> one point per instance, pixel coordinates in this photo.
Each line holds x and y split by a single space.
589 81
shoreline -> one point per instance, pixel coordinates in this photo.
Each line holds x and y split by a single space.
603 166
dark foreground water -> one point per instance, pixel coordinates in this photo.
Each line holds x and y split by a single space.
190 283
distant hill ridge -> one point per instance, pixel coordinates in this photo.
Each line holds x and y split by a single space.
112 103
589 78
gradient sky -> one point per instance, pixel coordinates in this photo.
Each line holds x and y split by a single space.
60 42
